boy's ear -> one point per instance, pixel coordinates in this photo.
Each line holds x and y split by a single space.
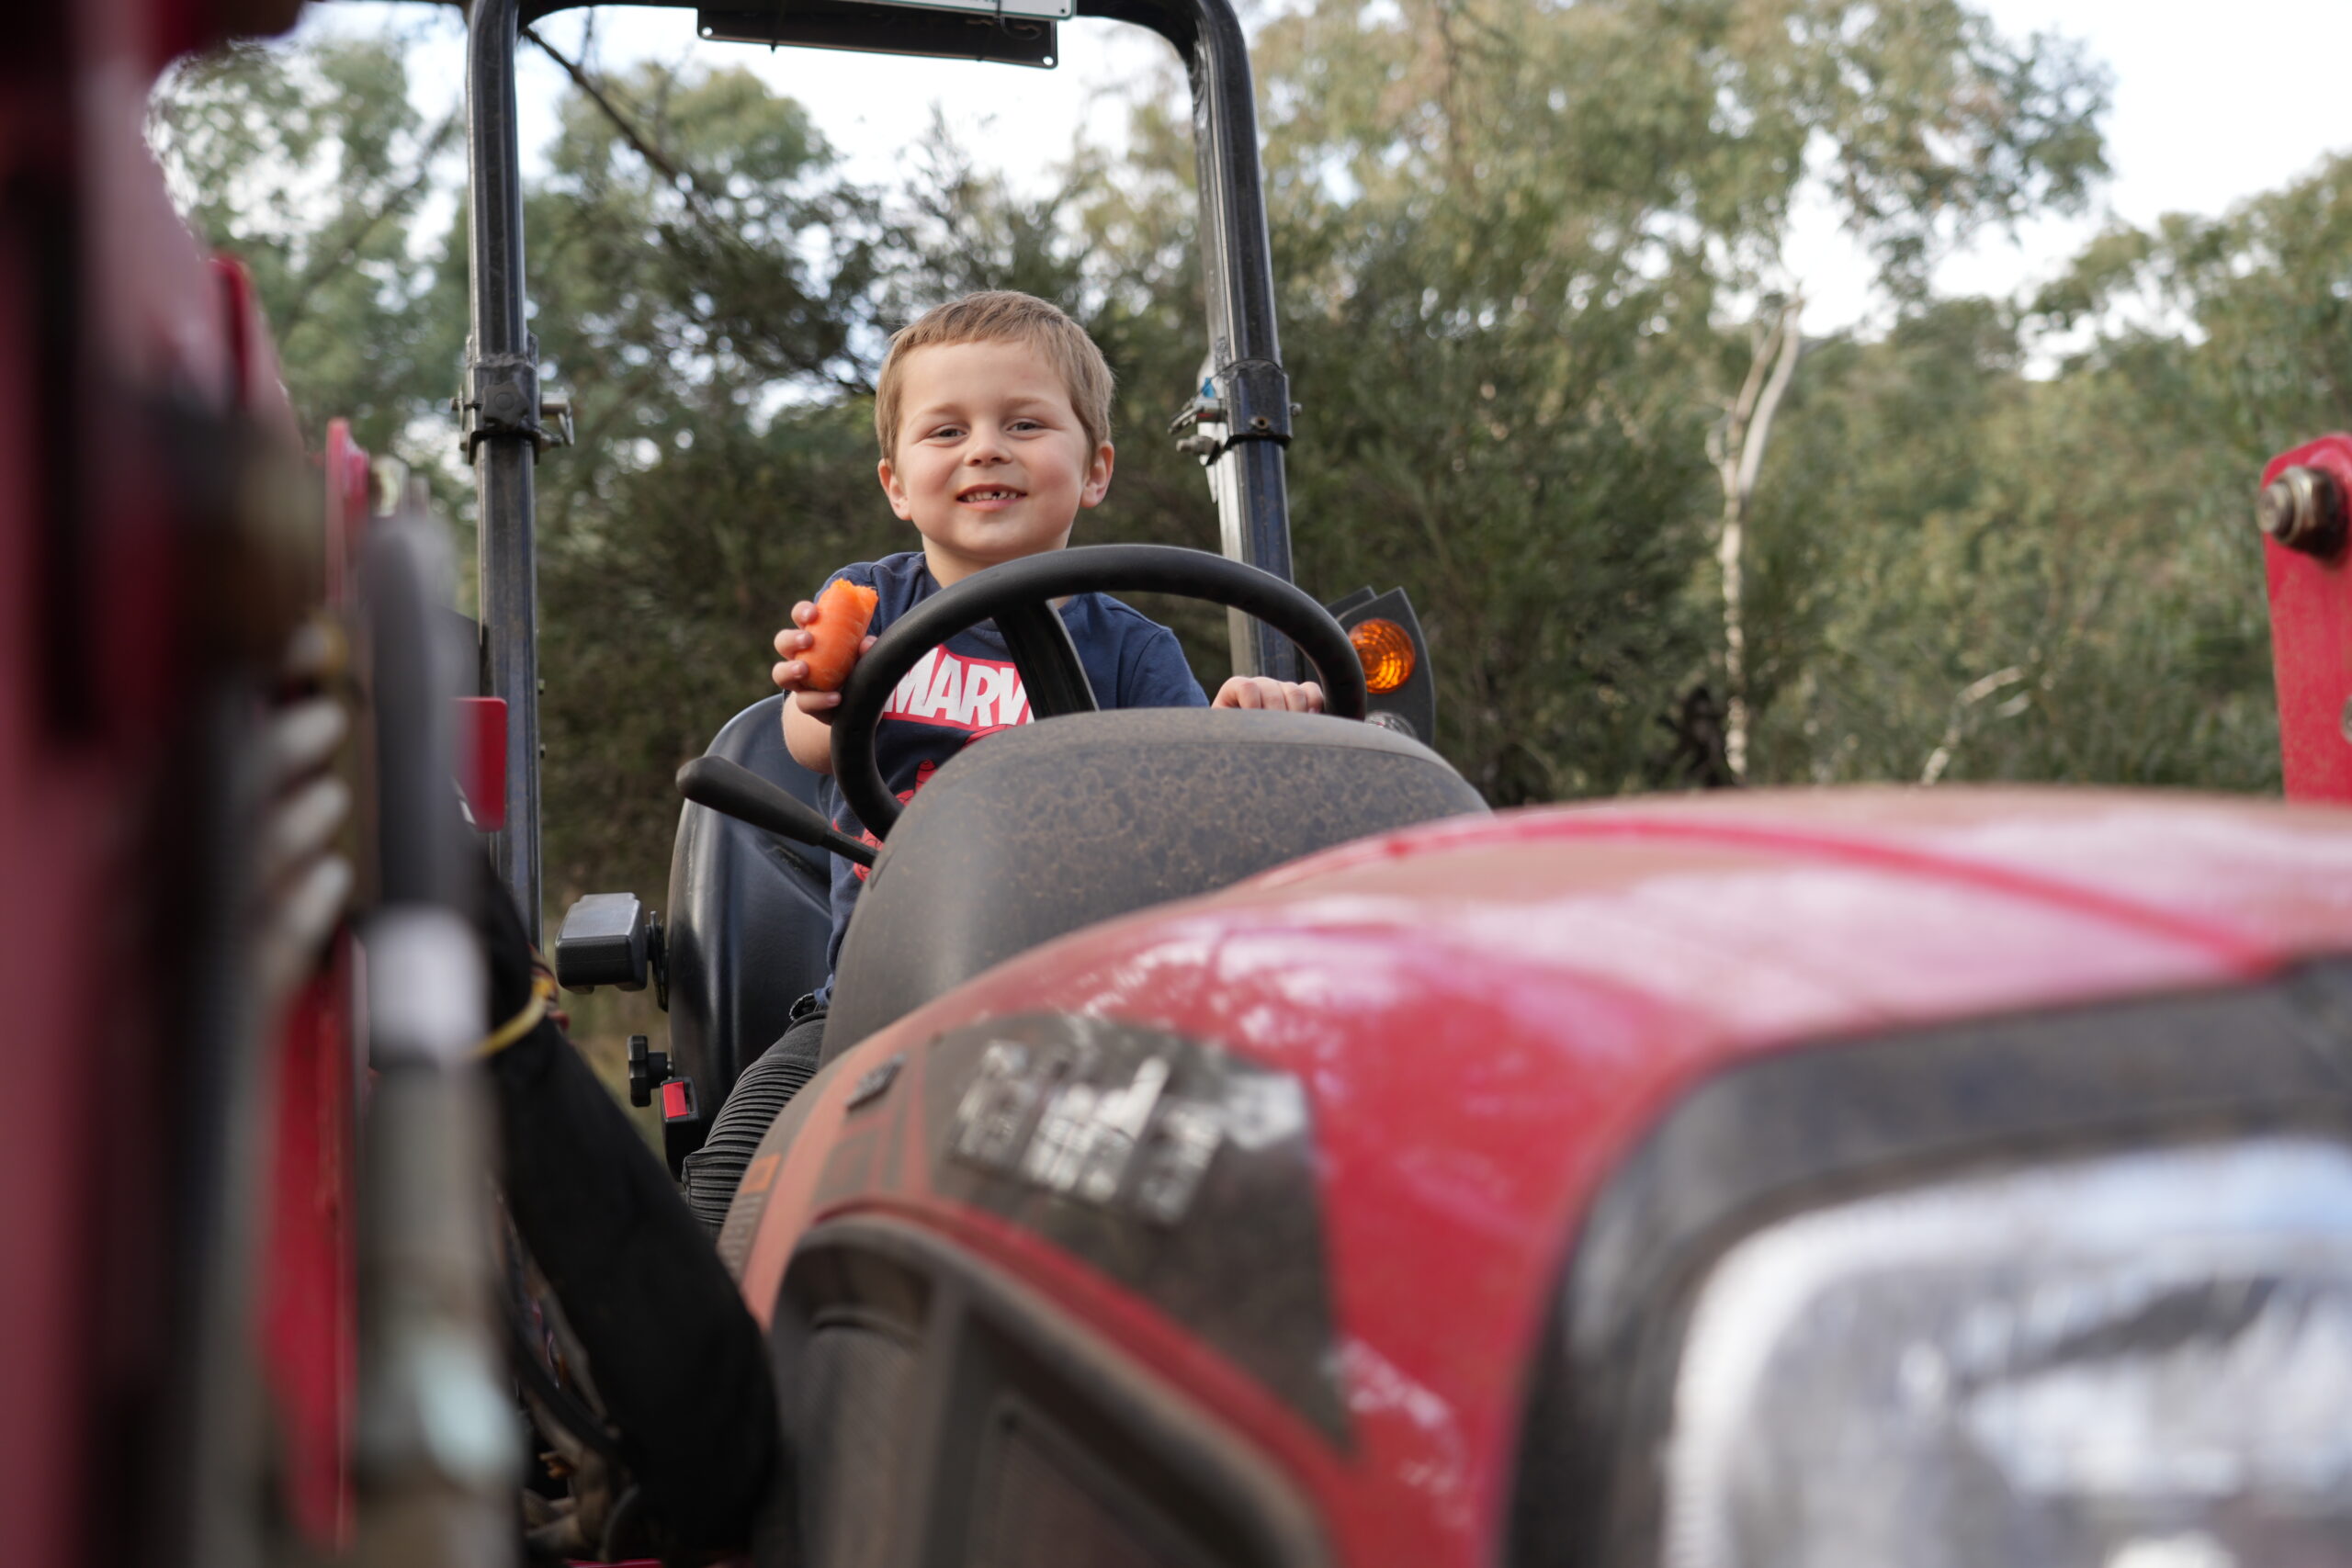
1098 477
897 492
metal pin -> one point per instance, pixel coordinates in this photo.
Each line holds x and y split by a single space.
2304 510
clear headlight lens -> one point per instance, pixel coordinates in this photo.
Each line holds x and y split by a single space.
2141 1361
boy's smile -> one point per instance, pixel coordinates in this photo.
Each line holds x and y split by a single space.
993 462
988 498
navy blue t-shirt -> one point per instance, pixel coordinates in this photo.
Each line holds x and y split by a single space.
968 688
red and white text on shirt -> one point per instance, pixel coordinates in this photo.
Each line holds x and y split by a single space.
947 688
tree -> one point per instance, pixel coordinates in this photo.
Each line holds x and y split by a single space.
1520 247
707 345
311 167
2059 579
1541 223
1971 574
1736 446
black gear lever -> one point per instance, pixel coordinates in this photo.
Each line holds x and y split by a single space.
733 790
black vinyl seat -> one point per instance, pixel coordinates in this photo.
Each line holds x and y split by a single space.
749 918
1035 832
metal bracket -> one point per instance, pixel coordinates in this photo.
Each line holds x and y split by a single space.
1257 398
1191 439
501 399
1248 399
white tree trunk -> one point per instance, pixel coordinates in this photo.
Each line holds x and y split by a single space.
1738 449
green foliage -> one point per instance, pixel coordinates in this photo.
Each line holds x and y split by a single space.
1606 148
671 587
2241 323
1973 575
2090 532
312 169
679 251
1511 232
1517 242
718 475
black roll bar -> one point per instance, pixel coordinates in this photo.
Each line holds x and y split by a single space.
1245 350
501 400
500 418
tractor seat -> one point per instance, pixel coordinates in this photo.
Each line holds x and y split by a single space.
1035 832
750 918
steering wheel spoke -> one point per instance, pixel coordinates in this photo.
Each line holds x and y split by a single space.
1041 650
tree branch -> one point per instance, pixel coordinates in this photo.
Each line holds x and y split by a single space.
1751 456
652 154
318 272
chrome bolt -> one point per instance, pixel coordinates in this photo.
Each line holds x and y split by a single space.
2304 510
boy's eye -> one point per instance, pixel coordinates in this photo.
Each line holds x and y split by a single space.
948 431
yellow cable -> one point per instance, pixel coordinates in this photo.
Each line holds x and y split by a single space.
522 1023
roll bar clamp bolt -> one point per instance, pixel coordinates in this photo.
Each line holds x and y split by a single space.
1247 400
502 397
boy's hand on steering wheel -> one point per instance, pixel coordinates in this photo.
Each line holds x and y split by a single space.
1272 695
791 670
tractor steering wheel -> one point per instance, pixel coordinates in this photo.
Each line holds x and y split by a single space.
1019 596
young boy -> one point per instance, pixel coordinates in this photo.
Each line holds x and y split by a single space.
994 418
994 415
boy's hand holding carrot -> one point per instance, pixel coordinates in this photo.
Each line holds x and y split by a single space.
824 641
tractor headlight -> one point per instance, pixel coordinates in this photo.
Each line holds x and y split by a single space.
2139 1361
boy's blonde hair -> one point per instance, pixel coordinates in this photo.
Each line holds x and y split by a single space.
1001 316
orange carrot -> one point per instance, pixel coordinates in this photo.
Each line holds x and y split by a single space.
843 613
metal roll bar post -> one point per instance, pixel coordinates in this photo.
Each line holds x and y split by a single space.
1236 259
499 416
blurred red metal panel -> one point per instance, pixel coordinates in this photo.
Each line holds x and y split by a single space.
2311 641
482 760
260 387
310 1290
49 815
111 325
346 510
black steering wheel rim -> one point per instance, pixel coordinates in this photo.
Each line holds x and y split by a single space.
1039 579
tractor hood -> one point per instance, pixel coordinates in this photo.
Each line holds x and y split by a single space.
1490 1022
1751 918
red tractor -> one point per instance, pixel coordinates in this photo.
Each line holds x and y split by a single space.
1236 1145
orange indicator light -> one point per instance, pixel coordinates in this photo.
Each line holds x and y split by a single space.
1386 649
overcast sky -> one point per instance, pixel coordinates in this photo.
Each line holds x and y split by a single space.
2213 103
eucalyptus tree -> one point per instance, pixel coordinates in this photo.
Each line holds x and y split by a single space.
1525 237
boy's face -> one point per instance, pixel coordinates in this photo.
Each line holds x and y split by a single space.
992 463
